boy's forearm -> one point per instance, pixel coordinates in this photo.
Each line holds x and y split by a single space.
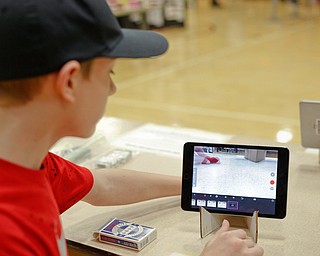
118 186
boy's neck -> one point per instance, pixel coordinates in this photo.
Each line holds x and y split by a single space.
25 140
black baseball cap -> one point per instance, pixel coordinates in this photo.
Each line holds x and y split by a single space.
38 36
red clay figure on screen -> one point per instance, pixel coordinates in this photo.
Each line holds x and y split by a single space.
202 157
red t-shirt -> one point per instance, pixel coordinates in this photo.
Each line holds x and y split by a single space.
31 202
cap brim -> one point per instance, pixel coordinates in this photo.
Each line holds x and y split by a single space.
139 44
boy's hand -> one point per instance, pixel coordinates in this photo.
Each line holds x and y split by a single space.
231 243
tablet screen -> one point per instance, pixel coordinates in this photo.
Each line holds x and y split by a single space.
236 179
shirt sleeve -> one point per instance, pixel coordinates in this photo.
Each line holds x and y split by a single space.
70 182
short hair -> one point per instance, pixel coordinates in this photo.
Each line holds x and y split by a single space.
20 91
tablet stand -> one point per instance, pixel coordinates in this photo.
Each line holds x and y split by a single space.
210 222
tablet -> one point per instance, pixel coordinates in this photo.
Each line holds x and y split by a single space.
235 179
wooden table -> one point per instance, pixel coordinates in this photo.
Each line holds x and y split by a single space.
178 231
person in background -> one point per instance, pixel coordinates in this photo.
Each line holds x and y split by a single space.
56 62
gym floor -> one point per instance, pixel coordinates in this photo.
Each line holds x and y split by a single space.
240 69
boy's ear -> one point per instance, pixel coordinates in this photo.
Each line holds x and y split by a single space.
67 80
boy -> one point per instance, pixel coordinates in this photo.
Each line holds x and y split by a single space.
56 58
